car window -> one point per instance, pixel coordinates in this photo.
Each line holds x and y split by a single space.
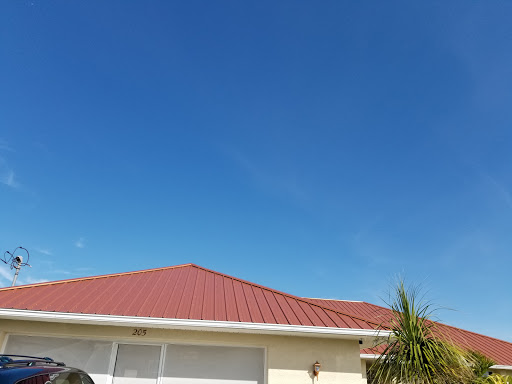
86 379
70 378
59 378
41 379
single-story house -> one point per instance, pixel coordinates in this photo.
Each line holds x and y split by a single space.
191 325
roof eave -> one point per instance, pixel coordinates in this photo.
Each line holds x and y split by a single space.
188 324
504 367
369 356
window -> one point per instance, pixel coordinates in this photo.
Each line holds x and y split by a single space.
58 378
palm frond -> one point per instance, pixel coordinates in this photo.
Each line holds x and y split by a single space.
414 354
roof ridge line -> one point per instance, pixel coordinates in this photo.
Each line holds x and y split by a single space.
319 298
304 300
351 301
354 301
73 280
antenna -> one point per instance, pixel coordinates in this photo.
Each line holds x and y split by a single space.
15 262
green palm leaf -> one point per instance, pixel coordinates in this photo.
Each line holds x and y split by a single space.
414 354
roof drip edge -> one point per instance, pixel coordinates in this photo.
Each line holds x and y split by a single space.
189 324
505 367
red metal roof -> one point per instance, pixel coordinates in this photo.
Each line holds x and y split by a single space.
498 350
180 292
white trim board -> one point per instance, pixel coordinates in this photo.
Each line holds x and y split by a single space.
198 325
504 367
368 356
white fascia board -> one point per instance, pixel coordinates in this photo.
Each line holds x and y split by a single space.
369 356
198 325
505 367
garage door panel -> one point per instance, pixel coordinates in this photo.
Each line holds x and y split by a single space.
205 381
90 355
137 364
192 364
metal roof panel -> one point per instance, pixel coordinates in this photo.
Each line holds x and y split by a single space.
182 292
498 350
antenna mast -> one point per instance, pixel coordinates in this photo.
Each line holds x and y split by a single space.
15 262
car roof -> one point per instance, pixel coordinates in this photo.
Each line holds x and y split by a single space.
18 367
13 374
24 360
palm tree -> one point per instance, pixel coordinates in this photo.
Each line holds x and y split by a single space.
414 354
480 365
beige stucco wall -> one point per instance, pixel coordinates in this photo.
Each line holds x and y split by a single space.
290 359
363 372
504 372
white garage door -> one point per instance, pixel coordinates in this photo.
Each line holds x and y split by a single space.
191 364
109 362
92 356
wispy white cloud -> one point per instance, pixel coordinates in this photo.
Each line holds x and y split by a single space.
496 186
80 243
30 280
10 180
282 182
471 247
365 230
7 175
70 273
41 147
503 192
44 251
62 272
6 274
37 275
4 146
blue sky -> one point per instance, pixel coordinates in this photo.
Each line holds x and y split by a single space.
321 149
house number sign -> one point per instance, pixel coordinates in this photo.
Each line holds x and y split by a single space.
139 332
